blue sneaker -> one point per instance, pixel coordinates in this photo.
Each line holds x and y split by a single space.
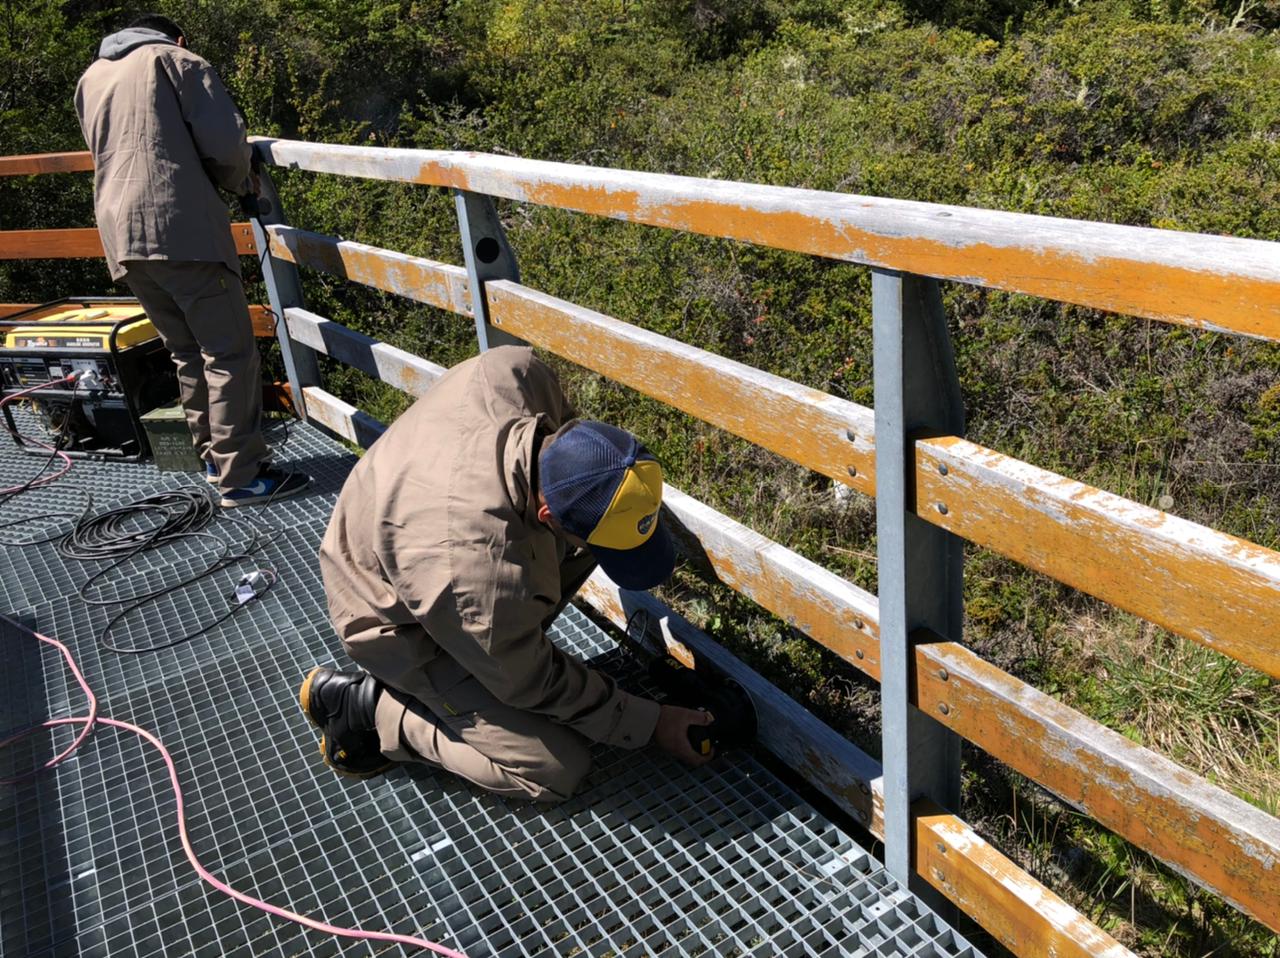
269 485
211 473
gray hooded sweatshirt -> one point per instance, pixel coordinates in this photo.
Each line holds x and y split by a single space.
163 132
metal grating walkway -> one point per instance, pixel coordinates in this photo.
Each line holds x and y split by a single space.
649 859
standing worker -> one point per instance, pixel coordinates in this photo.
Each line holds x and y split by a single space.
457 540
165 135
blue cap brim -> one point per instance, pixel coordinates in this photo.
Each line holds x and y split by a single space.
643 567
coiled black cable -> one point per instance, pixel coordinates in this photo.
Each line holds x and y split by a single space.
116 532
124 533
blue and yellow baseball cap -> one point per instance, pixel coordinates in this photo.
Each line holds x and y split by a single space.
603 486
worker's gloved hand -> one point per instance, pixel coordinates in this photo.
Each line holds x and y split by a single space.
672 733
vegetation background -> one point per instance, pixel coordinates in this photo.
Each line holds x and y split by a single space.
1150 112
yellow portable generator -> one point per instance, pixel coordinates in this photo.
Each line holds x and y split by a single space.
127 370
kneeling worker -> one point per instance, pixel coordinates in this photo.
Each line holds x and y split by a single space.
455 543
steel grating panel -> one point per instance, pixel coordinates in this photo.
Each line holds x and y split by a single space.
649 859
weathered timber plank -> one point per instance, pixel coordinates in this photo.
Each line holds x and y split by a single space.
838 768
817 430
1200 829
341 417
377 359
33 163
424 280
264 321
1220 591
50 244
84 243
1025 916
814 600
1210 282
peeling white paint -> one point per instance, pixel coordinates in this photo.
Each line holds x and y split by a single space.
1081 259
437 284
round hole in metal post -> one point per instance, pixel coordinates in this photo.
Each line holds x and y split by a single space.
488 250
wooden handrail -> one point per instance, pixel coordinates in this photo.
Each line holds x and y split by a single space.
1208 586
423 280
85 243
1221 841
829 434
1209 282
1213 588
31 164
394 366
1022 914
341 417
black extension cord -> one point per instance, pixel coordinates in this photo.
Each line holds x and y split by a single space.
124 533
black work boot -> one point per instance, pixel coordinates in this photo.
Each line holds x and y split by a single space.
342 705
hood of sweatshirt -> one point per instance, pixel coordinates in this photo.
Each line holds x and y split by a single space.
128 40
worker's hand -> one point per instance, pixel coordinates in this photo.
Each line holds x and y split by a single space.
672 733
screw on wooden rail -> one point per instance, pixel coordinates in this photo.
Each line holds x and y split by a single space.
944 708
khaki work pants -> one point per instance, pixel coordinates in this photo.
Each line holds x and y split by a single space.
199 310
465 730
456 723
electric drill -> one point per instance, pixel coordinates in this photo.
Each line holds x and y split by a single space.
733 716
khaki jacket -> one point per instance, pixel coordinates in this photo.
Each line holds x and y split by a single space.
435 548
163 131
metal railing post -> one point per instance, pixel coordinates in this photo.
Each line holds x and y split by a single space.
488 256
284 290
917 393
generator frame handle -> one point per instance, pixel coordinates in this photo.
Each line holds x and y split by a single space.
134 421
16 319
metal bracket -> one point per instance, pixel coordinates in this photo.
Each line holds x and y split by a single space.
284 290
921 567
488 256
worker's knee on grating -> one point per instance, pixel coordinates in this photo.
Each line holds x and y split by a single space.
563 771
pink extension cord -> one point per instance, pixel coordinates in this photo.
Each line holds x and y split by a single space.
66 460
93 719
